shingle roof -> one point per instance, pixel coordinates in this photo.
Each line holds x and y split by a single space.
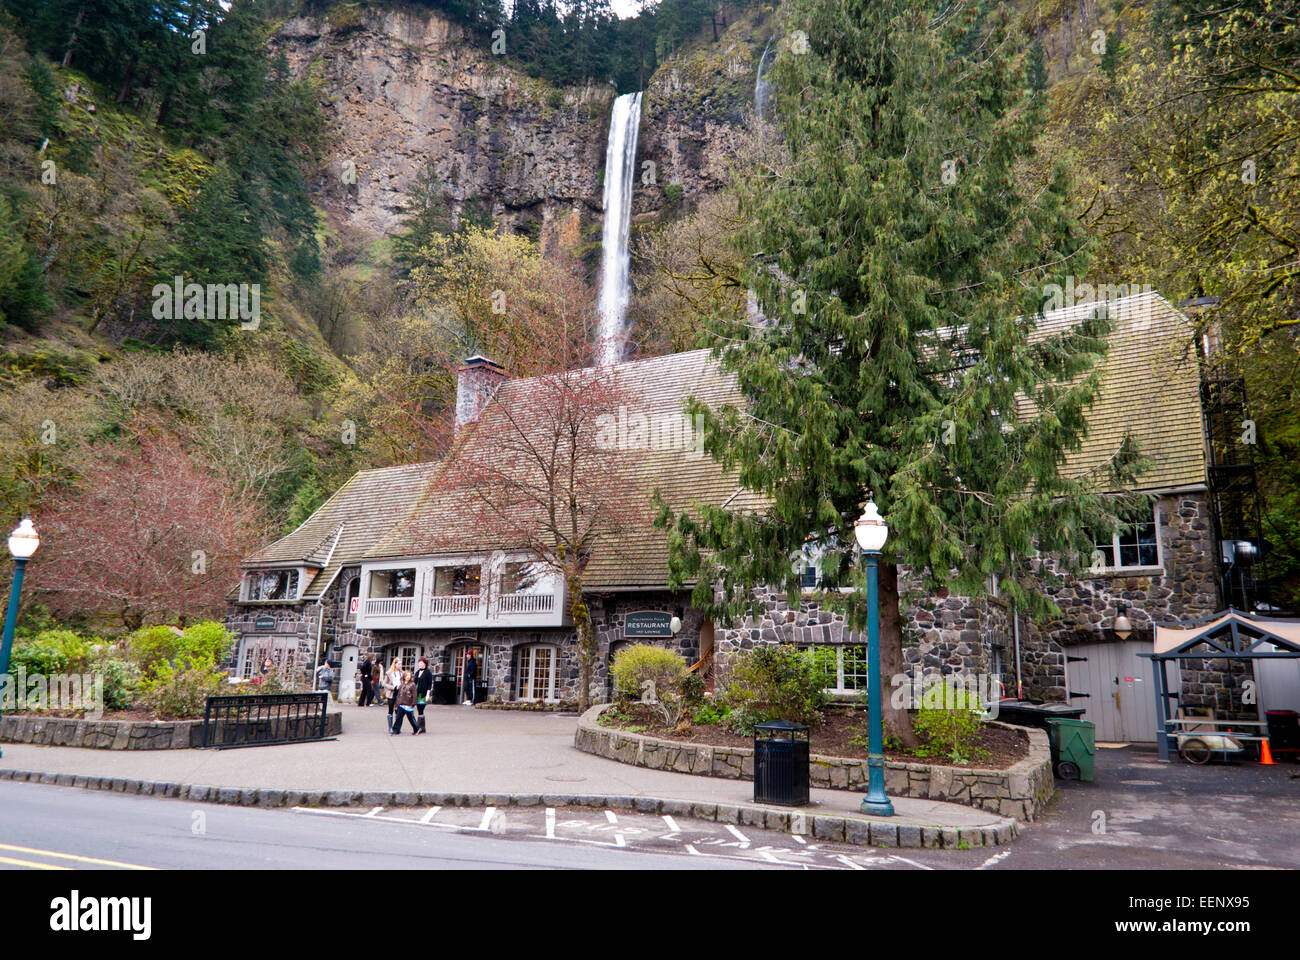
349 523
1150 387
636 557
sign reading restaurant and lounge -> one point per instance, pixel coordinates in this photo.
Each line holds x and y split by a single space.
648 623
264 623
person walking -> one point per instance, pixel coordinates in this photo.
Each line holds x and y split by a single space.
392 681
405 701
470 675
367 683
423 684
325 678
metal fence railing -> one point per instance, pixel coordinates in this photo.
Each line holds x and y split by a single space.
264 719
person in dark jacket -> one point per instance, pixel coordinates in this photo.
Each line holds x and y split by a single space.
405 702
470 675
423 684
367 683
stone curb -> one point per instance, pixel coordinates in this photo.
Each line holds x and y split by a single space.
118 734
850 830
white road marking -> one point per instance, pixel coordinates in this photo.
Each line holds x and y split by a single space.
996 858
619 841
849 863
798 839
737 834
433 812
487 818
672 824
550 823
609 815
691 850
374 811
365 816
919 866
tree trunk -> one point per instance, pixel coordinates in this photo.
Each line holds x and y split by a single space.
897 720
586 642
72 41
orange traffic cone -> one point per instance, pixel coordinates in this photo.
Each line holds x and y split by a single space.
1265 754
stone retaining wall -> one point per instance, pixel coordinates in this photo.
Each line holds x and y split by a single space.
1021 791
117 734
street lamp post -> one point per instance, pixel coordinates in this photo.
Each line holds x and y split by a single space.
22 544
871 531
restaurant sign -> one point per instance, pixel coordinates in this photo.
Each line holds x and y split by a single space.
648 623
262 624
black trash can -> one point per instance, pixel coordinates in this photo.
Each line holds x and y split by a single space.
781 763
444 688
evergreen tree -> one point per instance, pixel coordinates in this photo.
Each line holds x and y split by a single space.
899 260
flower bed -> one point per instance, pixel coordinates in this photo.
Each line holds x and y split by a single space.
1021 790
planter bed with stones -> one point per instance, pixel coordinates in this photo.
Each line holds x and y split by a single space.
1020 791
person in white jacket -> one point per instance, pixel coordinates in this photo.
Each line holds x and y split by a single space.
392 681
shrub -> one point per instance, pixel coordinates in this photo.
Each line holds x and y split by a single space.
776 683
741 720
709 714
179 691
206 640
121 679
152 645
51 652
948 723
643 663
673 193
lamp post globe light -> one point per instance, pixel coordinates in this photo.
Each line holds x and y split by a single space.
22 544
871 532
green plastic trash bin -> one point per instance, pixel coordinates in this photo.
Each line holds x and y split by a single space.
1074 742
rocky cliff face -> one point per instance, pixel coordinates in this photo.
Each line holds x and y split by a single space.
696 108
407 89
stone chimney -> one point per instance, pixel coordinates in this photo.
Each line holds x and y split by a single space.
476 382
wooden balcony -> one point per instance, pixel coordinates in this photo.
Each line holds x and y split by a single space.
390 607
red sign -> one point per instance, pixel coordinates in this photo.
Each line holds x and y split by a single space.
354 604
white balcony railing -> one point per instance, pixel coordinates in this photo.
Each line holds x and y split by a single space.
389 607
527 603
453 605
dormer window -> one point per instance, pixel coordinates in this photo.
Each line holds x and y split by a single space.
272 584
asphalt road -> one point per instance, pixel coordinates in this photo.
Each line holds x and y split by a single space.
1138 815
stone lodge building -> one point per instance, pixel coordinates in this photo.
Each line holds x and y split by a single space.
361 575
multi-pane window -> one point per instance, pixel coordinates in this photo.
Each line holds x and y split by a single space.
1130 545
845 666
456 581
535 678
392 583
522 577
273 585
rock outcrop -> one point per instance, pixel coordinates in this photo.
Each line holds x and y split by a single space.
408 90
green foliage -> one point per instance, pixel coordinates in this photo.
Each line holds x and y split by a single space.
775 682
121 679
638 664
150 648
948 723
709 714
179 691
23 297
51 652
673 193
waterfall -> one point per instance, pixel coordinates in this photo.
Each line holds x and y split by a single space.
762 89
620 170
